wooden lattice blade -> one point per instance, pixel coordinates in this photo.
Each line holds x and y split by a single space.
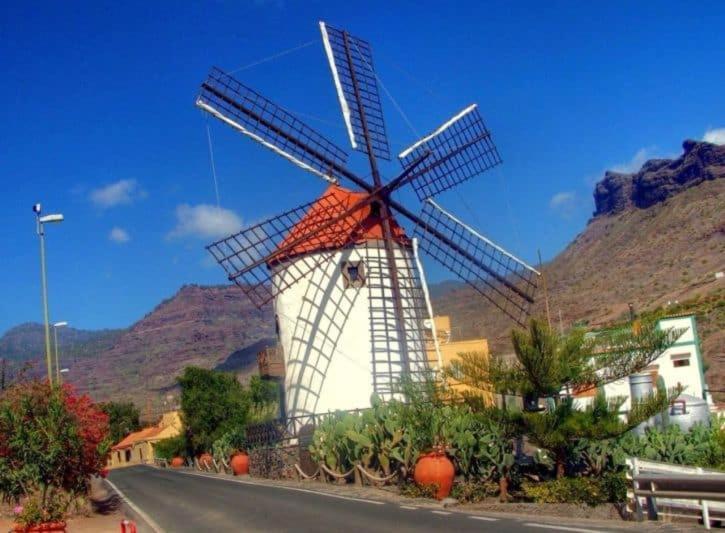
257 117
460 149
351 63
506 281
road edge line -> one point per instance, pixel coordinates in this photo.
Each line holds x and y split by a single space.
564 528
136 509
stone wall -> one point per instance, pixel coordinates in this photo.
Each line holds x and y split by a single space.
274 462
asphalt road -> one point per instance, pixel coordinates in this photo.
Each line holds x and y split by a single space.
174 501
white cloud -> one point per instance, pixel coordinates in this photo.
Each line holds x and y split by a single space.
205 221
634 164
117 193
119 235
564 203
715 136
561 199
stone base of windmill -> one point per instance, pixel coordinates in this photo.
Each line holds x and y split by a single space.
274 462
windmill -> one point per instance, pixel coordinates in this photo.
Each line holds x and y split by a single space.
343 274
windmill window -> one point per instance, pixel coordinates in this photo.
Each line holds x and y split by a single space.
679 360
353 274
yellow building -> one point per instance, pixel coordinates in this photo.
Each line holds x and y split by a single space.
449 351
138 447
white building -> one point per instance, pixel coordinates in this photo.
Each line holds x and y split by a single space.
336 324
681 364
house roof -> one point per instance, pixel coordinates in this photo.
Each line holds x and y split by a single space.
138 436
361 225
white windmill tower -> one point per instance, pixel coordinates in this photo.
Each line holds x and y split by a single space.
341 270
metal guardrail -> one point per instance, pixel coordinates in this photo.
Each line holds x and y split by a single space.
676 487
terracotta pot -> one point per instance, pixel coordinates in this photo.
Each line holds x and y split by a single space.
205 459
177 462
435 469
240 464
45 527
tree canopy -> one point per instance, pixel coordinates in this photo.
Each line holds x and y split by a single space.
123 418
212 403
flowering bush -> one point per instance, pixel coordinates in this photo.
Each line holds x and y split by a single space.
51 442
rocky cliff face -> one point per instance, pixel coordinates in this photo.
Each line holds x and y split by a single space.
659 179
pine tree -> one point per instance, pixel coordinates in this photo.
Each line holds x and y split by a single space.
551 367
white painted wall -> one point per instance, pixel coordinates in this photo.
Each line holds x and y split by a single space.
691 376
324 331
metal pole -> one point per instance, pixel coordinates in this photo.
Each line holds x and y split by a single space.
57 364
41 235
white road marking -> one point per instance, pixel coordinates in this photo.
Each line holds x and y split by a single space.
410 507
441 512
562 528
484 518
146 518
243 482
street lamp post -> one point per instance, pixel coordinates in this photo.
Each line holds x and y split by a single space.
40 221
55 335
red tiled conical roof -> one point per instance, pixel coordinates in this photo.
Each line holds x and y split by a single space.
360 226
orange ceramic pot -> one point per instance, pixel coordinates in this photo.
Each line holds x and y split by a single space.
177 462
240 464
205 459
435 469
44 527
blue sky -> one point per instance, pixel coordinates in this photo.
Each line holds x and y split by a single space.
98 123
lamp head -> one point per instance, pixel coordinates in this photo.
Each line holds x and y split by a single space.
51 218
60 324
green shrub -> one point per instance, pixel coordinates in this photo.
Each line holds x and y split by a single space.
232 441
614 486
410 489
171 447
34 512
567 490
472 492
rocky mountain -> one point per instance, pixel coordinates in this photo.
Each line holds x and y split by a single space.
659 179
202 326
26 342
656 239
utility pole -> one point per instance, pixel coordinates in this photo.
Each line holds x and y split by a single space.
546 290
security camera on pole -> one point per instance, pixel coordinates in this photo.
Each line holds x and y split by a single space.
40 221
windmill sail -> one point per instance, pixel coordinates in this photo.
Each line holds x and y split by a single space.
351 63
267 123
460 148
506 281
